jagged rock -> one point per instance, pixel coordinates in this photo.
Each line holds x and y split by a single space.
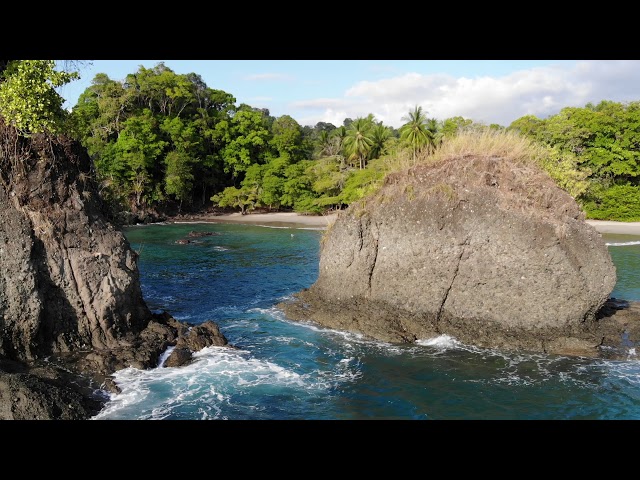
69 284
206 334
484 249
179 356
68 278
44 393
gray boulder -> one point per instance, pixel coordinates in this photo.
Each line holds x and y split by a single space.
484 249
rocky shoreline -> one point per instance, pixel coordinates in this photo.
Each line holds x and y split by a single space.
72 312
71 307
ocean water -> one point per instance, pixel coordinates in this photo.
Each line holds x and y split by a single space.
285 370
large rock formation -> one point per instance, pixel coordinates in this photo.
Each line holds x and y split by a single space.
485 249
70 294
69 279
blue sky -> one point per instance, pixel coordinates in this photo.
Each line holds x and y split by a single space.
311 91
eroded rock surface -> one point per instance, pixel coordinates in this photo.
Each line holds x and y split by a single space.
69 285
484 249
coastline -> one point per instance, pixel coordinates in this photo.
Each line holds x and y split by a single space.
606 226
321 222
272 219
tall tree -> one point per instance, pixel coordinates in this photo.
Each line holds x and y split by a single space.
287 137
179 176
358 141
379 136
246 141
415 131
436 133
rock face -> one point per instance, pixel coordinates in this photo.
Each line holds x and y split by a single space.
483 249
69 286
68 278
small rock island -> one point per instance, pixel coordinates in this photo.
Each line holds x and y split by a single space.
484 248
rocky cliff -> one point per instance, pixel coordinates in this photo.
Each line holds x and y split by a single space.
483 248
69 279
70 297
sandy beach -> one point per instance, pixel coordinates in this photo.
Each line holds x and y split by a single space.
605 226
274 219
295 220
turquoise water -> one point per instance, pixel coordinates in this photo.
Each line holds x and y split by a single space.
285 370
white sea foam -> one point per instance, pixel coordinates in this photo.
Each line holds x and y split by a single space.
441 341
271 312
148 224
215 375
164 356
220 249
622 244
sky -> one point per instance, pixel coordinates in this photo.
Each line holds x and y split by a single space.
312 91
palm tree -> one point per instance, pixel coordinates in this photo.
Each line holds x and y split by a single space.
415 131
324 141
435 129
358 141
338 135
379 135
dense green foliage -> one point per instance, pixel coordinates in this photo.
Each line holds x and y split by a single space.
28 99
161 139
604 139
166 141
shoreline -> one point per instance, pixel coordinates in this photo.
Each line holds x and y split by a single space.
321 222
607 226
271 219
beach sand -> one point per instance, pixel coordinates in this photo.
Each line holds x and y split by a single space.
295 220
605 226
274 219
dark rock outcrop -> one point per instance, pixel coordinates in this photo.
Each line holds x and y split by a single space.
484 249
69 279
45 392
197 234
206 334
69 284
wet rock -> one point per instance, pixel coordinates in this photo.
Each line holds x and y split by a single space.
193 233
206 334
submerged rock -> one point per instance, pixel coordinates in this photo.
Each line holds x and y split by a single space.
484 249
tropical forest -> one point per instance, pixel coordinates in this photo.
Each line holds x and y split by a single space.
168 143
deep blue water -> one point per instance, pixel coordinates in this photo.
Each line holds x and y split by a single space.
285 370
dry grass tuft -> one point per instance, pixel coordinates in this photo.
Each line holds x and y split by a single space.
488 143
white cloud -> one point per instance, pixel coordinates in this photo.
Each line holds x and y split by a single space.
540 91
